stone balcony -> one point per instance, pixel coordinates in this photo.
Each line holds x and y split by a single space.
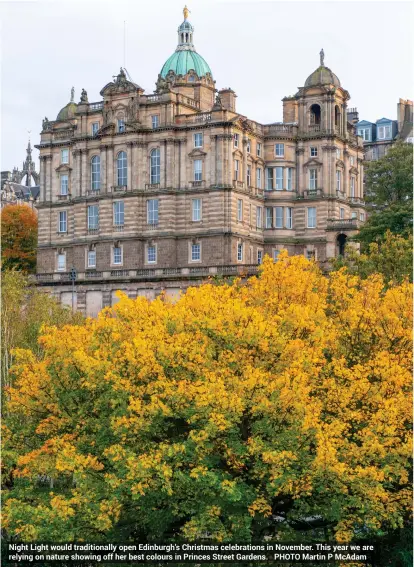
343 224
241 270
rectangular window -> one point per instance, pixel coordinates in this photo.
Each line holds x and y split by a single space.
152 211
313 152
249 176
269 178
198 170
276 255
121 125
236 169
196 212
279 150
338 181
63 221
361 216
93 217
352 186
365 134
258 217
384 132
64 184
259 256
95 128
289 179
198 140
279 178
117 256
311 217
259 149
248 146
240 252
118 213
313 179
151 254
195 252
341 213
351 160
64 156
250 214
236 140
268 217
259 178
279 217
61 262
155 121
310 254
240 210
353 215
338 153
91 263
289 217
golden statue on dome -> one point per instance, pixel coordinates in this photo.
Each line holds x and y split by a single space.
186 11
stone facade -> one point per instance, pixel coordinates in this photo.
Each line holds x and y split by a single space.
151 192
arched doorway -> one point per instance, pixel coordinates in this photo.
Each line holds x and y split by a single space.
341 243
315 115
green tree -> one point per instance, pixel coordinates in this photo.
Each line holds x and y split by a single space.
392 257
389 193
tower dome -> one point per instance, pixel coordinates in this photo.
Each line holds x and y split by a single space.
322 75
69 110
185 58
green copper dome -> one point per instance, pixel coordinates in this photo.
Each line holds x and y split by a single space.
181 62
67 111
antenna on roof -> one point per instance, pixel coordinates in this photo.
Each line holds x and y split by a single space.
124 42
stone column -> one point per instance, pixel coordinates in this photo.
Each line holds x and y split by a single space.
344 121
230 164
110 169
48 175
130 165
42 179
359 190
345 180
301 182
244 166
103 168
219 160
134 166
84 174
169 163
176 178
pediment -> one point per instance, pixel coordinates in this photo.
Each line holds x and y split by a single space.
353 170
238 153
63 168
313 162
340 163
197 153
133 126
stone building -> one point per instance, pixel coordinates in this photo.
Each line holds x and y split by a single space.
16 185
150 192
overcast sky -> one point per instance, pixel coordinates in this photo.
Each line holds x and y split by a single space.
263 50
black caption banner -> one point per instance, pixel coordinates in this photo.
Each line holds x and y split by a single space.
191 553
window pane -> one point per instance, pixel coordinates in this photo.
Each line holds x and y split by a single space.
155 160
196 209
259 178
289 179
198 140
312 217
195 252
93 217
96 173
152 211
117 255
61 262
289 211
269 178
122 169
64 183
239 209
198 170
151 254
279 217
279 178
269 217
91 259
259 217
119 213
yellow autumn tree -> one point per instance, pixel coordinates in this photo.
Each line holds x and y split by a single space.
274 407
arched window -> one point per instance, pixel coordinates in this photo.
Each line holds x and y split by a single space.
155 165
182 38
122 169
337 116
315 114
95 173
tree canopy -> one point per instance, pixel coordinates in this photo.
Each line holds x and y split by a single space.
279 406
18 238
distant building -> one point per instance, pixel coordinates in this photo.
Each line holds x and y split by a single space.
378 137
13 191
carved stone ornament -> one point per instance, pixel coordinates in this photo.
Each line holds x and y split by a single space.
84 96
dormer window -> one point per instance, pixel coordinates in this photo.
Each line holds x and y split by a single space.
365 134
384 132
121 125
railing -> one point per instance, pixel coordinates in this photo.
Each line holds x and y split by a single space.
190 101
309 193
118 228
280 129
197 270
44 277
93 274
238 184
154 98
152 185
63 197
96 106
342 224
197 183
314 128
204 117
63 135
93 192
119 273
152 224
120 188
356 200
171 271
93 230
145 272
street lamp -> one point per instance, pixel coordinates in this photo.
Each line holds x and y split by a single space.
72 277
